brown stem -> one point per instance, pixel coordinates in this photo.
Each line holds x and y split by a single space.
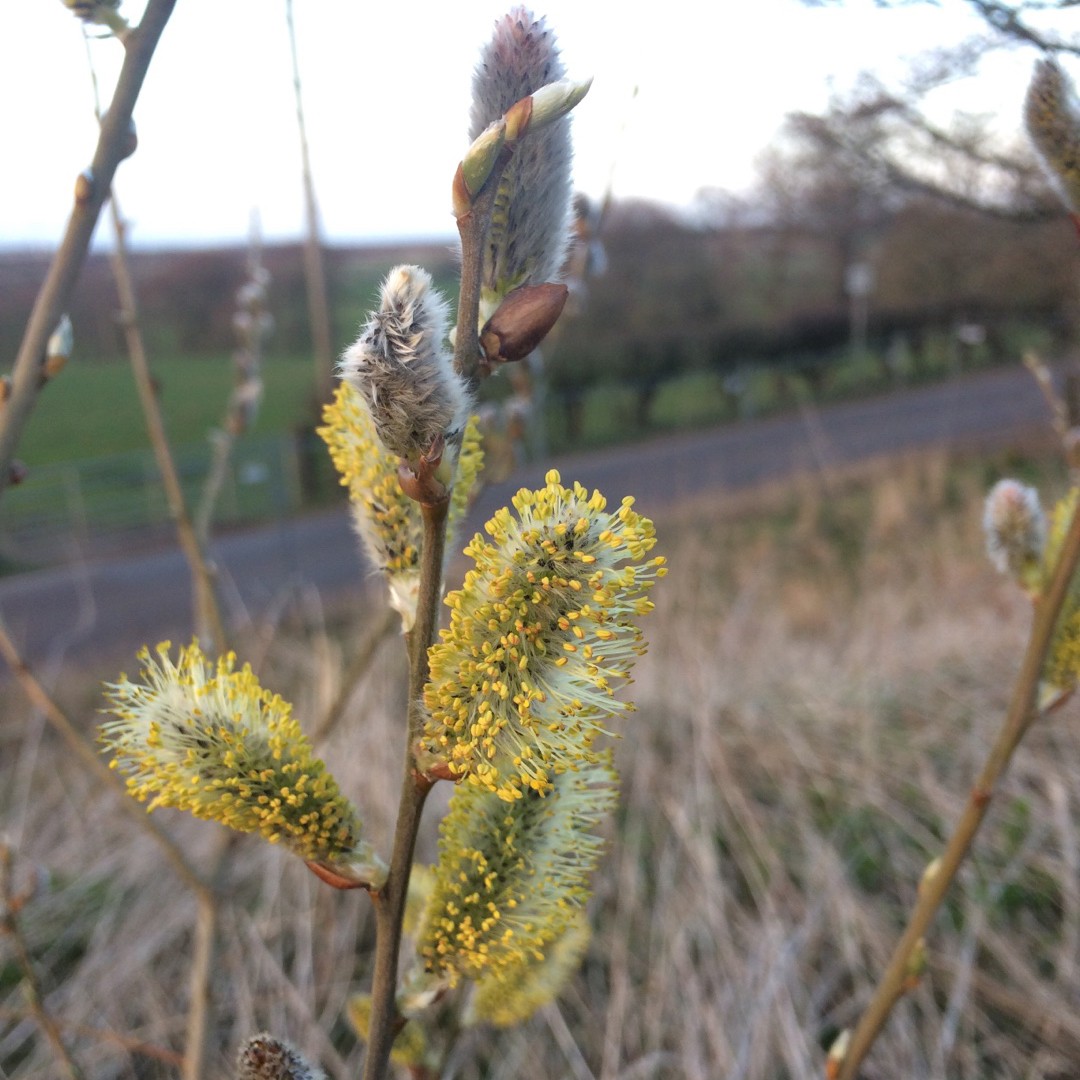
55 295
1022 713
208 625
390 900
9 924
473 229
198 1018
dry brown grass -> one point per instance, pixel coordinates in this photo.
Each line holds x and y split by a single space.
826 673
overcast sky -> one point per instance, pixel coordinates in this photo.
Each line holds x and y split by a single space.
386 94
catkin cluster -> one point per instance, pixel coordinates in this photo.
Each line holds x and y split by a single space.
510 882
207 738
541 634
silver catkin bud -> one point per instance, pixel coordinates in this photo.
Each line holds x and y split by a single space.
1052 117
1015 528
530 227
402 369
264 1057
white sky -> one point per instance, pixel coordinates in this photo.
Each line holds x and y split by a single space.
386 96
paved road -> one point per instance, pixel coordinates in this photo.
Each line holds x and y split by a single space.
104 609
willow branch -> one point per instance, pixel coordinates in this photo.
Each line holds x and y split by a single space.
473 229
1022 712
390 900
56 291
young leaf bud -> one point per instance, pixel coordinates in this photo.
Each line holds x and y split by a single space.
84 187
59 348
837 1052
102 12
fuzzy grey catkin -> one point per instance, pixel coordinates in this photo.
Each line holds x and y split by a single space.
264 1057
1052 117
530 227
401 367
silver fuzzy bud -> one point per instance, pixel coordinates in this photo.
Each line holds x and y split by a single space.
264 1057
403 371
530 229
1052 117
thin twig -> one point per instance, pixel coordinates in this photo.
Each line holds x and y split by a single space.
1059 415
250 324
1023 711
202 961
208 623
56 291
10 905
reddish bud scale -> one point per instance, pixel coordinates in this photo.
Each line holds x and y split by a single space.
522 321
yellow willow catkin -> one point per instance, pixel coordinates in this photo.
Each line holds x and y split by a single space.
511 877
511 994
541 634
1062 668
388 521
204 737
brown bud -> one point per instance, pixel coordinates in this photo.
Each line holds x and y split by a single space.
441 771
332 877
53 365
131 141
521 322
84 187
17 473
5 388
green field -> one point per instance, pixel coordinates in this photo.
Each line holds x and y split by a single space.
91 409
